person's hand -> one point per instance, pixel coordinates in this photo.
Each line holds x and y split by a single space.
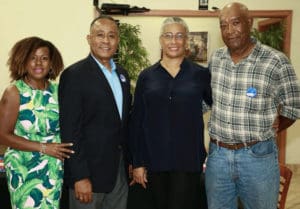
83 190
275 124
57 150
139 176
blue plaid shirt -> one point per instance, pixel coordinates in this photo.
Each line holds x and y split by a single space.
247 95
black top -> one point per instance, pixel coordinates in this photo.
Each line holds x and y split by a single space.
167 119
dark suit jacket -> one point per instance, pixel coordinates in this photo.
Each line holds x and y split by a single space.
89 118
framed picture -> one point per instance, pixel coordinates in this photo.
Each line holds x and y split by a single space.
198 42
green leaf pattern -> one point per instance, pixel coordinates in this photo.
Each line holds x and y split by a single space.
34 179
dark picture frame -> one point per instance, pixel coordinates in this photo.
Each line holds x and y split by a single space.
198 46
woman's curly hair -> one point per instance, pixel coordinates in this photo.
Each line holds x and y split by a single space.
21 52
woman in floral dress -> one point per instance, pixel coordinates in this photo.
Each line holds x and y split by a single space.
29 126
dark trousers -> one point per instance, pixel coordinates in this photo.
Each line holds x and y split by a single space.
176 190
116 199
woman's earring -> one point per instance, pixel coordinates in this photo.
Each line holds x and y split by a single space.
50 73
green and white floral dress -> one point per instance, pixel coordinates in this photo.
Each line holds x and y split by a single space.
34 179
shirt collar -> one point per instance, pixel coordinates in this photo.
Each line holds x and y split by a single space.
102 67
184 64
252 55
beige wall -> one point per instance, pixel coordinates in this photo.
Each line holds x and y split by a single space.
66 22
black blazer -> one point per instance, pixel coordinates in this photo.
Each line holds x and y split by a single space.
89 118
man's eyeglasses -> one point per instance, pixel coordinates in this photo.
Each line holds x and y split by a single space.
178 36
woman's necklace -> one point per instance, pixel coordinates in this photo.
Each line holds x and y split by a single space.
36 87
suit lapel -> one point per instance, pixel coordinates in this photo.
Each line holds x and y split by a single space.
105 85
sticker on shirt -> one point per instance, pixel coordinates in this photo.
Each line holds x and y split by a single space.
251 92
122 78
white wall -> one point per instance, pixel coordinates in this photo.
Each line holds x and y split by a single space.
66 23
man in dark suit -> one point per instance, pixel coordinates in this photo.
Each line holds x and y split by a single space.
94 98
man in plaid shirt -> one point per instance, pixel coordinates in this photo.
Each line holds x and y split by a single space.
253 86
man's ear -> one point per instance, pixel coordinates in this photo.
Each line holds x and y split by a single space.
88 38
250 22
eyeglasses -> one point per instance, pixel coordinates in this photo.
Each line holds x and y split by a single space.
178 36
